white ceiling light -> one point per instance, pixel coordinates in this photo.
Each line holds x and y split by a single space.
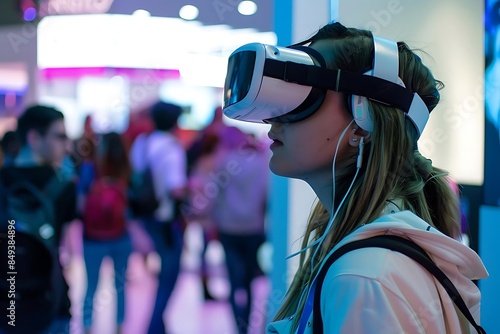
189 12
141 13
247 8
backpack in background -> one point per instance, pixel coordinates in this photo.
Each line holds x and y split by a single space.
33 209
142 195
104 212
28 220
143 201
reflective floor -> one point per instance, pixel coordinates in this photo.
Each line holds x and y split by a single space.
187 312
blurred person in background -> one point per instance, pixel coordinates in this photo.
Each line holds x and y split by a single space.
40 204
204 140
10 146
200 163
104 218
84 155
198 209
239 184
159 161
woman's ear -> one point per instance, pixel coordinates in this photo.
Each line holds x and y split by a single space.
356 135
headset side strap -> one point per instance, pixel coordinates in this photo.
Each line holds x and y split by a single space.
374 88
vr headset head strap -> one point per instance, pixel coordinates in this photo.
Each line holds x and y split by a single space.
372 87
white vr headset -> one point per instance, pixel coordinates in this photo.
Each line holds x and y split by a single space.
265 82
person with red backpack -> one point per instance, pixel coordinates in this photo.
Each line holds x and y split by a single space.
104 217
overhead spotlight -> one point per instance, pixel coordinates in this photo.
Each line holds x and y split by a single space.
189 12
247 8
117 80
29 14
141 13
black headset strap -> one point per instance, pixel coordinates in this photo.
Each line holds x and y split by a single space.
373 88
403 246
311 52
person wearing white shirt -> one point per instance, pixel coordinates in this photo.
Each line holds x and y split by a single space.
162 152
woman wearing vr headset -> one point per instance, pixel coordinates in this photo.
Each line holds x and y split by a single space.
381 184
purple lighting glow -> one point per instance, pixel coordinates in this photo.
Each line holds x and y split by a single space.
29 14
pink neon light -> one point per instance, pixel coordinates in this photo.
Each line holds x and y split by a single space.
132 73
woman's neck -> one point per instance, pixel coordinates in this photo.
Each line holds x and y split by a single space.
322 186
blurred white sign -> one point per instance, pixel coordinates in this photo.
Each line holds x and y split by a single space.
140 41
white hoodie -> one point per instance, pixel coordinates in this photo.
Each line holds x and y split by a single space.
376 290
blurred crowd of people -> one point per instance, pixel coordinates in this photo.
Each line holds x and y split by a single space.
113 185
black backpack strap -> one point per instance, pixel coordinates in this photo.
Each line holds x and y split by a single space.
397 244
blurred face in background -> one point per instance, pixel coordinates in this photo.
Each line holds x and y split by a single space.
51 147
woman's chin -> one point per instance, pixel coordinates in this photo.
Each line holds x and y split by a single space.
280 170
275 168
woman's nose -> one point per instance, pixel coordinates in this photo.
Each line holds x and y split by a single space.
273 123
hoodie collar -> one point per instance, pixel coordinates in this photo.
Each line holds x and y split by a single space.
408 225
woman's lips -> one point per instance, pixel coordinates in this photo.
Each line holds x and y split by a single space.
275 144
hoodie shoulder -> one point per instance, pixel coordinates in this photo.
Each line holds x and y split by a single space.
442 249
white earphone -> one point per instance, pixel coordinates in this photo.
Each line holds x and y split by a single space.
361 146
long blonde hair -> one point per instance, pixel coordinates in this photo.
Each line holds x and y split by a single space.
393 168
